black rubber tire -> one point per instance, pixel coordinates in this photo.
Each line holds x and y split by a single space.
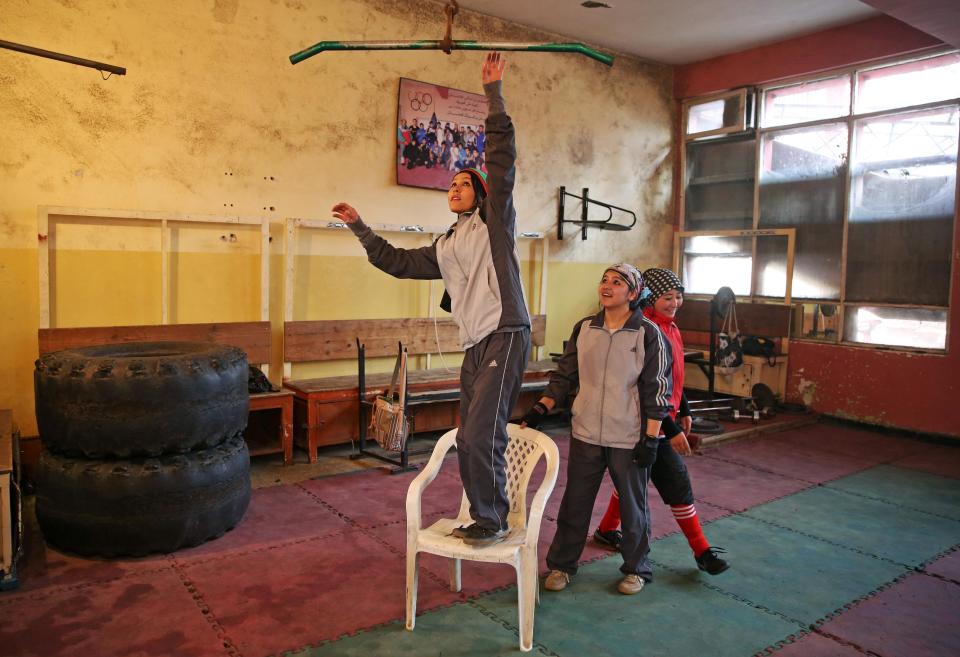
140 399
145 505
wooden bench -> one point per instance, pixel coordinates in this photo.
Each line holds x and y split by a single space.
270 428
327 410
764 319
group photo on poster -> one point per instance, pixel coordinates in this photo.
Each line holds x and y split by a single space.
439 130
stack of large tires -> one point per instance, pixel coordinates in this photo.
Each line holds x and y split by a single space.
143 446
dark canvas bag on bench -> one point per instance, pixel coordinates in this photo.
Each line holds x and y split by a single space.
388 425
758 345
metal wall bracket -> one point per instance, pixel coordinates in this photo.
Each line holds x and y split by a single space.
585 221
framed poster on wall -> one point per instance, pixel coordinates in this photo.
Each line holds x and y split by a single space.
439 130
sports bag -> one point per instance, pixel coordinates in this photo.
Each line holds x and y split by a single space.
388 424
729 354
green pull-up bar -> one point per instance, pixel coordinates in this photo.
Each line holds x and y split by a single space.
322 46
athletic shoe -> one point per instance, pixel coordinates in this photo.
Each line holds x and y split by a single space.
710 562
461 531
610 540
477 535
557 580
631 584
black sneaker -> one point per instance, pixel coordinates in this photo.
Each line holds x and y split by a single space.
477 535
710 562
610 539
461 531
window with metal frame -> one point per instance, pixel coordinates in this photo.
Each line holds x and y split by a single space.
862 162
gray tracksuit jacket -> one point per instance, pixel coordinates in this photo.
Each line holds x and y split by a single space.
476 258
625 378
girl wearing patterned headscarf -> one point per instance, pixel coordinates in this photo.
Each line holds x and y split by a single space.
669 474
620 361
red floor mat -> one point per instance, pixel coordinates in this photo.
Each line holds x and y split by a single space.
143 614
912 617
278 599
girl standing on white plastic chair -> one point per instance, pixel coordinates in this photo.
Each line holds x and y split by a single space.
478 261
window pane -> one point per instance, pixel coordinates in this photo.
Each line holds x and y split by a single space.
808 101
709 263
719 190
801 185
816 321
772 265
902 208
901 327
705 117
728 112
912 83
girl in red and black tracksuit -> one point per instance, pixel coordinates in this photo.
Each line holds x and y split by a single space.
669 474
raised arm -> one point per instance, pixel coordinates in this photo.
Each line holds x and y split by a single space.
403 263
501 148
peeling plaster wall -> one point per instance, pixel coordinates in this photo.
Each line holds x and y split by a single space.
212 118
885 387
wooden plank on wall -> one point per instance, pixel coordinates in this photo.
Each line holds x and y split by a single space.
323 340
252 337
772 320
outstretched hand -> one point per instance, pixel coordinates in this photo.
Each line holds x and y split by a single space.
345 212
680 445
493 67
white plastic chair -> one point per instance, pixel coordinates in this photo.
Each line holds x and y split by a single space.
524 449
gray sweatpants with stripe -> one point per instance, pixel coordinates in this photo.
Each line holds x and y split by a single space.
490 380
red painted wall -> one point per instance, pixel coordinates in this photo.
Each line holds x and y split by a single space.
920 392
857 43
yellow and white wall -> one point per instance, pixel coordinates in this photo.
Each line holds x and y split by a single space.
212 119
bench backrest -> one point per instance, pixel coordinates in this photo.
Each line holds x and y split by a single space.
252 337
335 339
766 319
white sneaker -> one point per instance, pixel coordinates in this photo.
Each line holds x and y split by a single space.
631 584
557 580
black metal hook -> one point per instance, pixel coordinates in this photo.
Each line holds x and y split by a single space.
584 222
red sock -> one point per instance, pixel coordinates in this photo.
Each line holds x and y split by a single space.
611 519
686 517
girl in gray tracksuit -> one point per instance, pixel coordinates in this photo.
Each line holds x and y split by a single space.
478 261
621 364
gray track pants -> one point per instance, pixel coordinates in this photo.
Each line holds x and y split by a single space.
490 380
585 470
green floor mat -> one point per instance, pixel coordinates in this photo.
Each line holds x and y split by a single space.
854 521
909 488
800 577
675 615
459 631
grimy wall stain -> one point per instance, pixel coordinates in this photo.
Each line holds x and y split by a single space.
212 118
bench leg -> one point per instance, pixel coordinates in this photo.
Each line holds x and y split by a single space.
313 429
286 430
